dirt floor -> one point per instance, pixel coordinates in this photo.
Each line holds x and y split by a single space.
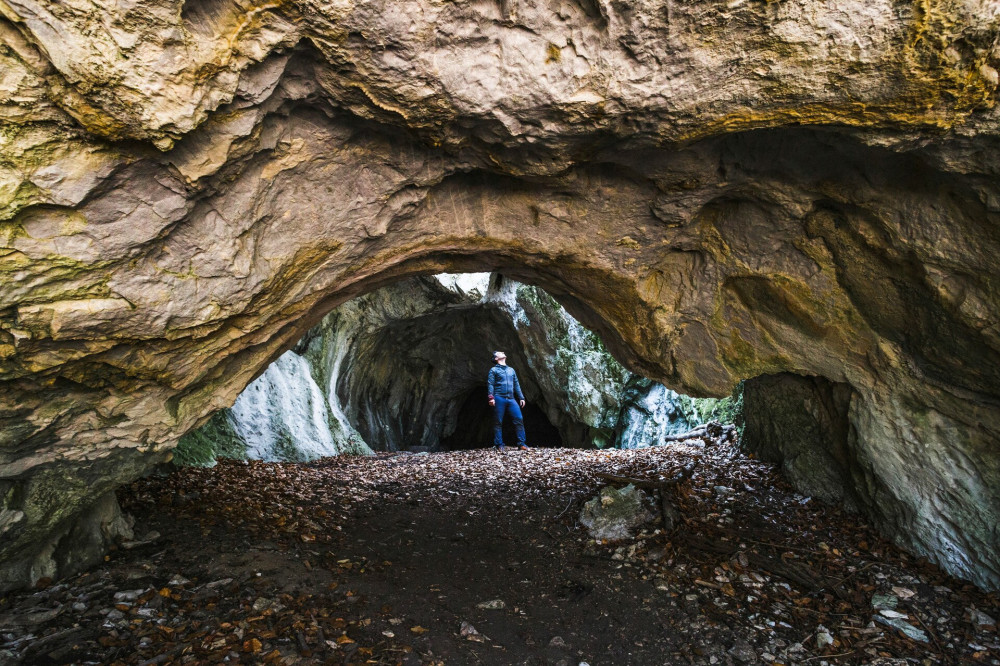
477 558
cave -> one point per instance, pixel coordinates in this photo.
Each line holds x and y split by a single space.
403 369
417 381
474 425
420 382
805 192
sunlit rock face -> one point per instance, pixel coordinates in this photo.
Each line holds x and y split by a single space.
405 366
283 415
651 411
721 190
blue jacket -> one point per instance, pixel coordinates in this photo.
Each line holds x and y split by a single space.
502 383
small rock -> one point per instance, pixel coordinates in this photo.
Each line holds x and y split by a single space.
823 637
908 629
178 580
893 615
722 491
492 604
615 514
219 583
884 601
470 634
742 651
262 604
903 592
79 607
557 642
980 619
128 595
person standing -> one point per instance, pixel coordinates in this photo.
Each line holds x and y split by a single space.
505 398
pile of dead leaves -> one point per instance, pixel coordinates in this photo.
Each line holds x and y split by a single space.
797 581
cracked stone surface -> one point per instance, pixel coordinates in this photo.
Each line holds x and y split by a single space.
721 190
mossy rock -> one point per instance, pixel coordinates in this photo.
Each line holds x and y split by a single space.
216 439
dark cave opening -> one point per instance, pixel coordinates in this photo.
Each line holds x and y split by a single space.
474 425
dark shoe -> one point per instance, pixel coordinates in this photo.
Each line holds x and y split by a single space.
499 449
523 447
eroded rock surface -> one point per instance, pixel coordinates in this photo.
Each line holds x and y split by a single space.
802 423
186 188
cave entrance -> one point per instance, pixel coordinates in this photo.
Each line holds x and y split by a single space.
474 425
403 368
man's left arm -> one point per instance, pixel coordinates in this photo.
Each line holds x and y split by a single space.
517 389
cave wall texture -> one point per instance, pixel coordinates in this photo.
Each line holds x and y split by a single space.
720 189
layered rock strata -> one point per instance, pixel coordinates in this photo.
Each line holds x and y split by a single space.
721 190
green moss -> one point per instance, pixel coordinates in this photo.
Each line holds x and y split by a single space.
216 439
724 410
285 449
27 194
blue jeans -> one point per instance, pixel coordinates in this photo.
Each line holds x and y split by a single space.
511 407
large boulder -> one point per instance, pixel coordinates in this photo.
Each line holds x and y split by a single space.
812 427
616 513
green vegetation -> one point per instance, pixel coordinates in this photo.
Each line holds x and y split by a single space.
216 439
724 410
287 449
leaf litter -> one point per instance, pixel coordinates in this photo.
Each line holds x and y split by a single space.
416 559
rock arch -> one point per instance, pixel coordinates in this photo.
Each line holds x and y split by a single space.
172 223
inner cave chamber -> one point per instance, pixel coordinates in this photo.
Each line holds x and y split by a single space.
404 369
